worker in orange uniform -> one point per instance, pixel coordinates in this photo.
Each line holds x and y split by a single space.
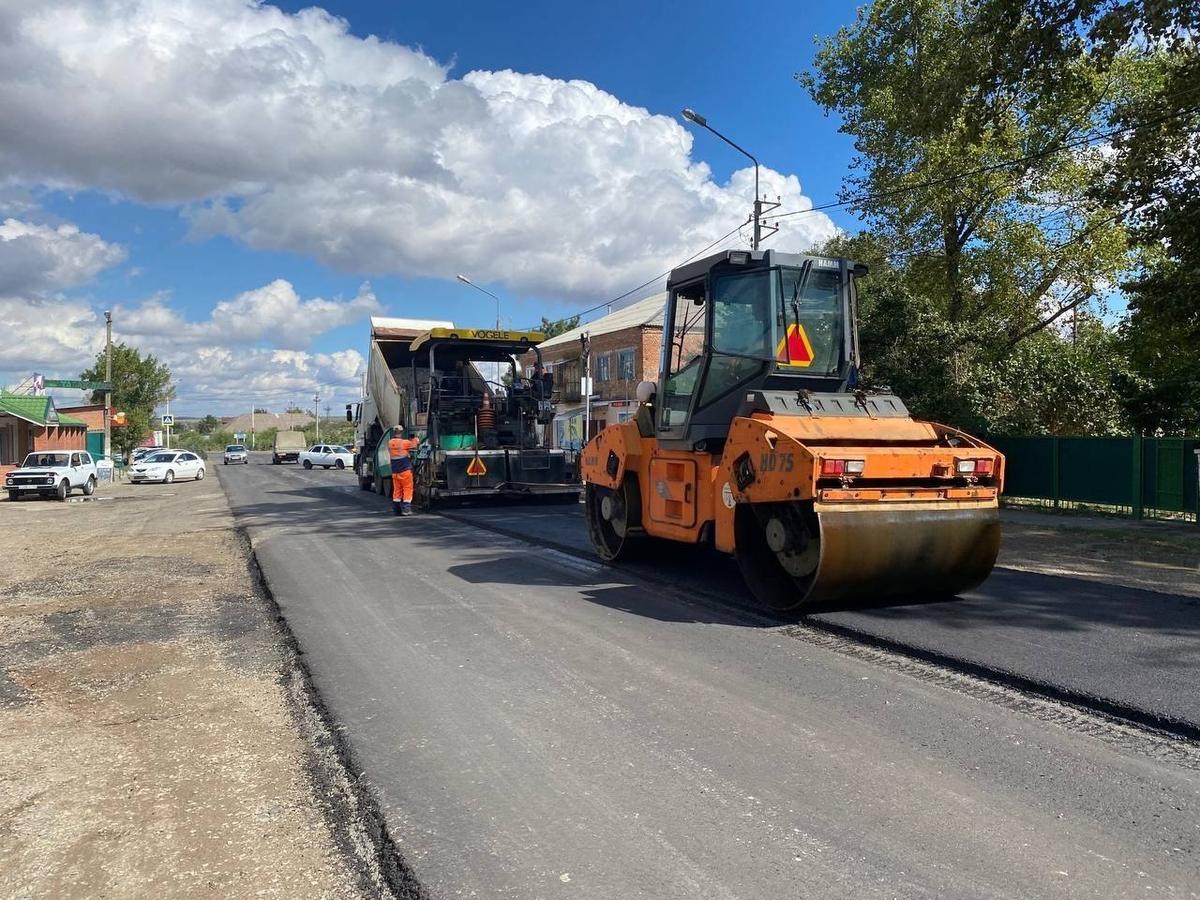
400 450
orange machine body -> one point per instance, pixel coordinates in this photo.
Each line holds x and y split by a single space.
688 496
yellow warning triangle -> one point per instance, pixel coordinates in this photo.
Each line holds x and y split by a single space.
476 468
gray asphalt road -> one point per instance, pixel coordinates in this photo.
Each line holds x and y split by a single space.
538 726
1138 650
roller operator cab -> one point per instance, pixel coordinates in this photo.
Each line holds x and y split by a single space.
757 439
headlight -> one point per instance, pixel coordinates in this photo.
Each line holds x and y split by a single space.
9 480
50 480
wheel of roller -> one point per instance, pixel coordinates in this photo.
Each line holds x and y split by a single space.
771 584
613 518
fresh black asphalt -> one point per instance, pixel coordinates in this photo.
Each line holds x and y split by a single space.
1131 652
533 724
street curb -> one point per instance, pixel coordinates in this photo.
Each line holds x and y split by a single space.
1111 709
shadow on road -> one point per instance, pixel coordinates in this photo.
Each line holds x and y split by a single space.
694 581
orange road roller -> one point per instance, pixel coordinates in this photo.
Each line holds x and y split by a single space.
758 440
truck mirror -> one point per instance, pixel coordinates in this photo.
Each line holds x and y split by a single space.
349 412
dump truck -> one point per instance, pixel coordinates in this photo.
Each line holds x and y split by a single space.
759 441
389 397
483 420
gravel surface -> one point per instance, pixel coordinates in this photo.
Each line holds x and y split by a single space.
156 738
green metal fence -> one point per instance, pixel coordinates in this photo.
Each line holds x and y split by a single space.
1139 476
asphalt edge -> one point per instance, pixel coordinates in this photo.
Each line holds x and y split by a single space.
1166 725
350 810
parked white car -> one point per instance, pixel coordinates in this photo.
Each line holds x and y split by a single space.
167 466
52 473
327 456
236 453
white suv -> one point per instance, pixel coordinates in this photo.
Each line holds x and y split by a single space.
52 473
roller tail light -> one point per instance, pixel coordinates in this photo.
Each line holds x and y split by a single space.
840 467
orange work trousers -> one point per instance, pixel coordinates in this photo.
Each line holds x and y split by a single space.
402 486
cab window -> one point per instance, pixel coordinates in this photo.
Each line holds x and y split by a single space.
682 355
812 310
743 310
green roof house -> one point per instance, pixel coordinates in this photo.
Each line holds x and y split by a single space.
29 424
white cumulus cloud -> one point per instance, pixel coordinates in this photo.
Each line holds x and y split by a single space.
288 132
274 313
36 259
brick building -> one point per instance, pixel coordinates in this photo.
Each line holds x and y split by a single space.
92 414
29 424
625 348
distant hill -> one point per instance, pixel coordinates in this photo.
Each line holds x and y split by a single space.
262 421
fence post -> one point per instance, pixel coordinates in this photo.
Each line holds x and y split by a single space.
1197 454
1054 489
1137 476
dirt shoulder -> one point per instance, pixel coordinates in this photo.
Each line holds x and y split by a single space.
1153 556
155 737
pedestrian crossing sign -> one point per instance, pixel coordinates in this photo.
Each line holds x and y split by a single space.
476 468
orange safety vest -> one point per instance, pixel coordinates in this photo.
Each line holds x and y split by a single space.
398 449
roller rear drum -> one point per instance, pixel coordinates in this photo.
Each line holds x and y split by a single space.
795 557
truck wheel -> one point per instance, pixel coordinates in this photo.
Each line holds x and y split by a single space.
169 477
274 460
63 490
14 495
90 487
308 464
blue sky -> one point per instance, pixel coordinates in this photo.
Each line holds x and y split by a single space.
191 236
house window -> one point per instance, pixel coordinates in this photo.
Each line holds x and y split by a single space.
625 364
604 367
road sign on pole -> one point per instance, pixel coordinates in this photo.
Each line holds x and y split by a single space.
168 421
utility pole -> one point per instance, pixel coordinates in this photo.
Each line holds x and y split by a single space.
585 345
760 205
108 380
252 447
317 412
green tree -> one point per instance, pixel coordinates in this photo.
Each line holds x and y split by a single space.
139 385
984 233
264 439
554 327
1154 158
208 424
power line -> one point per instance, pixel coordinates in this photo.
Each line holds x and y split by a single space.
661 275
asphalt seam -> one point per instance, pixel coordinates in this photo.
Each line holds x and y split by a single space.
1110 709
350 809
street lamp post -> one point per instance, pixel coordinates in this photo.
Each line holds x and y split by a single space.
108 380
467 281
692 116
